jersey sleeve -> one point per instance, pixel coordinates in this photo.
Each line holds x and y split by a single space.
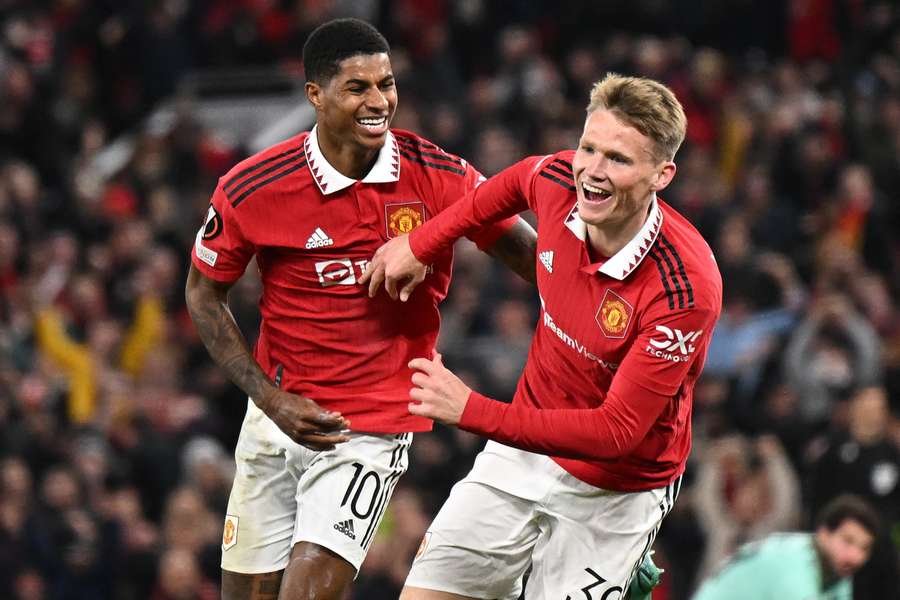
609 431
221 252
666 347
484 237
494 201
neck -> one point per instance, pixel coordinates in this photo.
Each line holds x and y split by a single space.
607 240
350 160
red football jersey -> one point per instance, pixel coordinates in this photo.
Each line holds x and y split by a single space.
624 338
313 231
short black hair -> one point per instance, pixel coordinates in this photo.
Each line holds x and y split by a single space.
849 507
336 40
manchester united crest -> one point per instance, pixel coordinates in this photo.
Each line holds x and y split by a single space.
401 218
229 533
423 545
614 315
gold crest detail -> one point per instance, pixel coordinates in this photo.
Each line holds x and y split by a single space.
229 533
614 315
403 218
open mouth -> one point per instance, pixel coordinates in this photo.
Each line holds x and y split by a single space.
595 194
374 125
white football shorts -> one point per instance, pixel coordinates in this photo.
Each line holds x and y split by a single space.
284 493
517 509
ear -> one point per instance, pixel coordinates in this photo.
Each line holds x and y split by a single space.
314 93
664 176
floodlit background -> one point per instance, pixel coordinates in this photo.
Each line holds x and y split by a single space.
117 117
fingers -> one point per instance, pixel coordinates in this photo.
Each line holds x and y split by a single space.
419 379
420 410
420 395
327 421
428 367
320 441
390 285
411 284
375 276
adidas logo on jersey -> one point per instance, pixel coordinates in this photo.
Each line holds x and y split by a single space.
346 527
319 239
547 260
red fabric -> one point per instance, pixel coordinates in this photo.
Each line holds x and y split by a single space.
120 201
336 345
811 30
607 432
611 407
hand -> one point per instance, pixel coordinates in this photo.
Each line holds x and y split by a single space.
439 394
392 264
304 421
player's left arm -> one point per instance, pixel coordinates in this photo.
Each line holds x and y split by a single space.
644 384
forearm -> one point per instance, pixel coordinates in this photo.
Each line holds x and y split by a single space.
516 249
225 343
494 200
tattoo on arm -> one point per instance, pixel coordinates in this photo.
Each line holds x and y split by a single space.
207 303
516 249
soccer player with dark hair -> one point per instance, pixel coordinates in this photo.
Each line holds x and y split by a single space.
326 433
587 460
797 566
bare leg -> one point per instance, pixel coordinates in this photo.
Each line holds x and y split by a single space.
259 586
315 573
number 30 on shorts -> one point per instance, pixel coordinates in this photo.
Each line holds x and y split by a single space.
362 502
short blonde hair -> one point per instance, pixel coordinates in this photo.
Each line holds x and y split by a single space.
645 104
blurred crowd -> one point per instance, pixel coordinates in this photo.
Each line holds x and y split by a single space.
116 431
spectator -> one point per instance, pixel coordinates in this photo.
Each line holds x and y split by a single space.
745 491
787 154
831 351
862 460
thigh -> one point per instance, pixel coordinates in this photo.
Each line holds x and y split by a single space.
595 540
261 513
259 586
478 546
342 494
316 572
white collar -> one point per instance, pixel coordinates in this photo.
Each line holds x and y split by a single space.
622 263
330 180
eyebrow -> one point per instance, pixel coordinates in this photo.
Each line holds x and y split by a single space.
365 82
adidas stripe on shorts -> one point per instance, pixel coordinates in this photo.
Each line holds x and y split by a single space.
284 493
517 509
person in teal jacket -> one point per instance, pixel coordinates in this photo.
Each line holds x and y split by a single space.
801 566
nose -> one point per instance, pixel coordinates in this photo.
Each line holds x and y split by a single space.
596 167
376 100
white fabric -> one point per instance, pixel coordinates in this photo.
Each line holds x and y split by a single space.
386 168
622 263
284 493
516 509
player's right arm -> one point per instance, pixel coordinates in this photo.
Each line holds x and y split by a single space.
300 418
221 253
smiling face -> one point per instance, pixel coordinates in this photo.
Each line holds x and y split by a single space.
355 107
616 177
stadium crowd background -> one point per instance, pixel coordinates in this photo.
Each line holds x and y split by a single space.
115 428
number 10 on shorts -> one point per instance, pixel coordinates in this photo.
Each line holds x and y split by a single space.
362 492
